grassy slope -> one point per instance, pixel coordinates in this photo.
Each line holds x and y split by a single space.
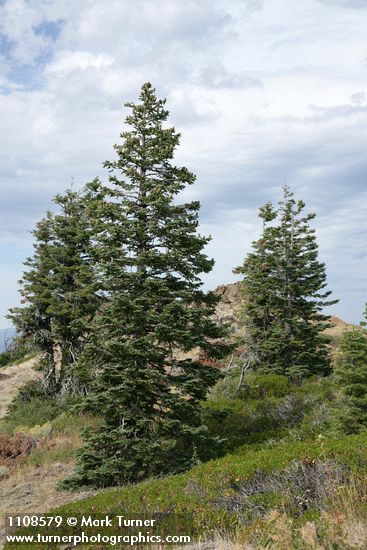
205 494
207 490
278 426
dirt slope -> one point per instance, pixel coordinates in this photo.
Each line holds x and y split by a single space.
12 378
29 489
33 490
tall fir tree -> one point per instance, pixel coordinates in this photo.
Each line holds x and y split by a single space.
147 391
351 377
284 286
59 291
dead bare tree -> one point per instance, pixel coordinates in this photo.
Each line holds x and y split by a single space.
249 359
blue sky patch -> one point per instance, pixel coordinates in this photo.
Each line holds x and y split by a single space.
50 29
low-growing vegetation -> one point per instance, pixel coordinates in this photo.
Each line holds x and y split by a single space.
246 495
279 478
33 407
63 440
5 358
268 408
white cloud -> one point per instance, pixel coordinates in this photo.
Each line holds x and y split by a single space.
262 92
66 61
350 4
9 296
19 20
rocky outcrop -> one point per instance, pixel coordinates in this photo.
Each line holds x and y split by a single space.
231 300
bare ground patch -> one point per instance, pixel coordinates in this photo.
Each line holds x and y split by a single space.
12 378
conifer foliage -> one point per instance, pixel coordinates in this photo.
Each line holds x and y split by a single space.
351 376
59 292
284 286
151 256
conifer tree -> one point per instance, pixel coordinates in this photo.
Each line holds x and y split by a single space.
147 391
33 322
59 292
284 286
351 377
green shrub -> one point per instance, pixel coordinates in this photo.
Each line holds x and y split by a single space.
255 386
30 413
5 358
319 396
31 390
317 420
226 387
262 386
253 421
38 431
321 389
32 407
268 408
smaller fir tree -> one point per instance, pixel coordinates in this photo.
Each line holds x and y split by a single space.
33 322
284 286
351 377
59 291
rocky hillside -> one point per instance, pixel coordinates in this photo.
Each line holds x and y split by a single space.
232 298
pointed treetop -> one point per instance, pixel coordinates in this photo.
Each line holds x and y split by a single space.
267 212
150 111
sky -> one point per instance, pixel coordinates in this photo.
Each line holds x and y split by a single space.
264 92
